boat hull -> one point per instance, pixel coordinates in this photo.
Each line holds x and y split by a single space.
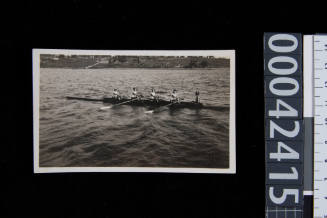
154 103
143 102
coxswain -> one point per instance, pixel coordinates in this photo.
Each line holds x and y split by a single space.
197 93
174 96
116 94
134 93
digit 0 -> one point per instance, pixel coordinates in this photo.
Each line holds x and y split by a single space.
282 71
283 37
284 80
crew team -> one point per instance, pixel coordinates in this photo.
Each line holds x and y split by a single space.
173 95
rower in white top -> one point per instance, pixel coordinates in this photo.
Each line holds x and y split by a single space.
116 94
174 97
153 95
134 93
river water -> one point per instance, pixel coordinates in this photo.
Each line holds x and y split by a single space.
78 134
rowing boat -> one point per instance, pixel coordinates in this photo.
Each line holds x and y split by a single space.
143 102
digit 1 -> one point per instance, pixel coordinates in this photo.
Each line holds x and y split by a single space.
293 175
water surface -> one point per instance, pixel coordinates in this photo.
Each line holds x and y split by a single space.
77 134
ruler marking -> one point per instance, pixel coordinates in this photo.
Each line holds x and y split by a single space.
320 138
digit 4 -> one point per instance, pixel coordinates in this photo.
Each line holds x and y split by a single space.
291 154
290 112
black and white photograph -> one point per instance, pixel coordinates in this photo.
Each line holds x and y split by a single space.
134 111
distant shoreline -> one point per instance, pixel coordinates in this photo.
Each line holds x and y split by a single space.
144 62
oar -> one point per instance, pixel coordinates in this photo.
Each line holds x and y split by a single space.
109 107
151 111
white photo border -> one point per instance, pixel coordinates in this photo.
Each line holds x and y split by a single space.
230 54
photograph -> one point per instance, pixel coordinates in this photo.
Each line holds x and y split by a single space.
160 111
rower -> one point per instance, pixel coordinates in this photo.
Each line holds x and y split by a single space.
174 96
197 93
134 93
153 94
116 94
